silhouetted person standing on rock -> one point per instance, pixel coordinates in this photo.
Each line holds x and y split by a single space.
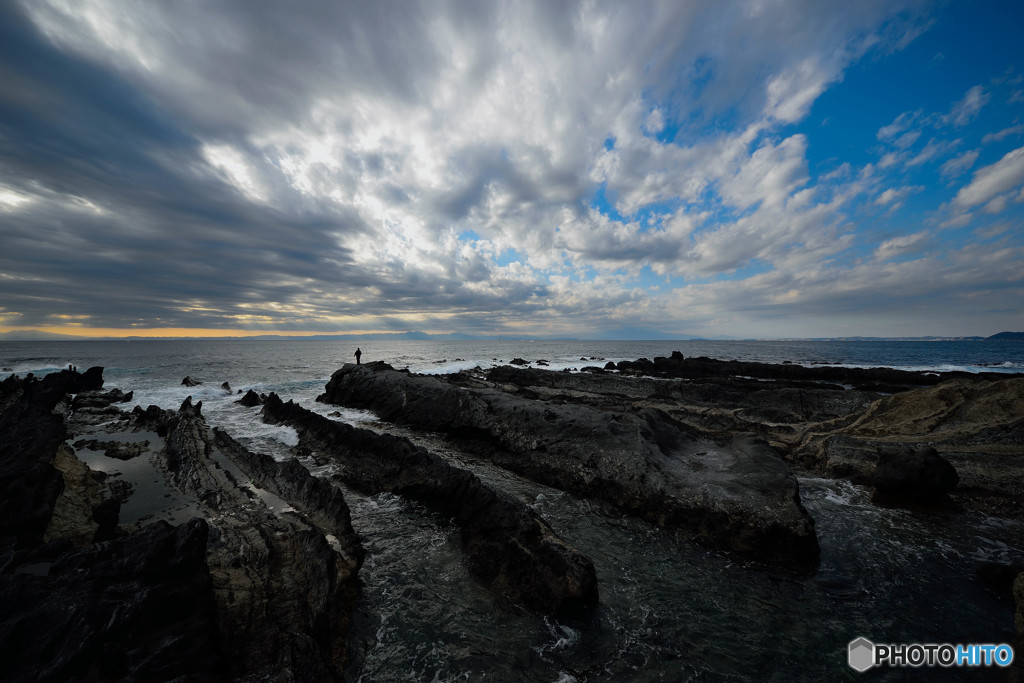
358 355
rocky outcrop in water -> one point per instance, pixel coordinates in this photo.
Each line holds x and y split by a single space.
245 590
732 492
317 498
281 592
508 547
865 379
251 399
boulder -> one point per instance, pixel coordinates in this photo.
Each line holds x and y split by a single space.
919 476
189 382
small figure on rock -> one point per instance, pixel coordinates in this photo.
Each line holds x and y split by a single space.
359 355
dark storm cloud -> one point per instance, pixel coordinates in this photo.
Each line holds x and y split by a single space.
124 228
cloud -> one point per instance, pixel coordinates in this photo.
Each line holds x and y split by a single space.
900 246
958 165
964 111
900 124
325 166
991 181
1004 133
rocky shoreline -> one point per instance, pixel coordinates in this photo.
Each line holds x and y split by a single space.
200 559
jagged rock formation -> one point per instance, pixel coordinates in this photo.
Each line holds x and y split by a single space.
734 493
281 592
251 399
508 547
245 590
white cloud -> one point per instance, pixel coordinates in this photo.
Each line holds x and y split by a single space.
900 124
933 149
1004 133
964 111
896 195
899 246
907 139
1003 176
959 165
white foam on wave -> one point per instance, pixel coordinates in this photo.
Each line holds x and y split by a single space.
38 368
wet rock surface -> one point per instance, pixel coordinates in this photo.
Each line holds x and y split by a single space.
733 492
239 586
507 546
975 422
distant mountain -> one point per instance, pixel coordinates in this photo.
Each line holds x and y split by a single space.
1007 335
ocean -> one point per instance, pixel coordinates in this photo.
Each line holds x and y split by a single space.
668 610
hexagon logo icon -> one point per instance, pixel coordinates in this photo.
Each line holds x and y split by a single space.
861 654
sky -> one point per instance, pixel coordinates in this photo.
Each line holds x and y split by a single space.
788 168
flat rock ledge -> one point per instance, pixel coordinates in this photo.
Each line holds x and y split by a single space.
508 547
734 493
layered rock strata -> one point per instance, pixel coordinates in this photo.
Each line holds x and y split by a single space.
976 425
732 492
507 546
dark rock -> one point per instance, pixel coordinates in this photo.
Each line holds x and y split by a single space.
976 425
189 409
30 435
152 418
189 382
508 547
519 361
859 378
998 578
918 476
119 450
251 399
321 501
1018 598
226 387
734 493
135 608
282 593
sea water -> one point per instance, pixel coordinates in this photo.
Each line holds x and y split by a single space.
668 610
